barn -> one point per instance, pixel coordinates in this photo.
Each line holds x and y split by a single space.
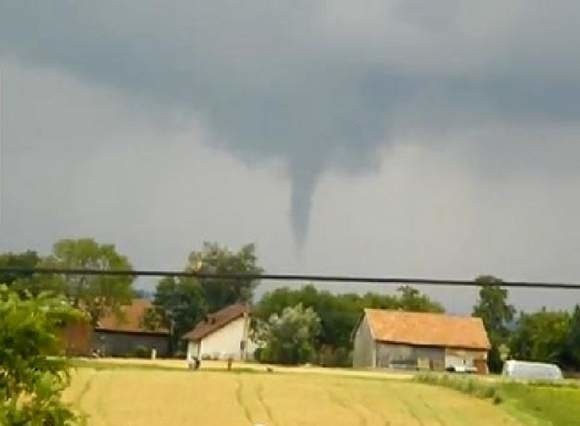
413 340
124 335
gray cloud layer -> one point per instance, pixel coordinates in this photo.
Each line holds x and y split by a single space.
325 85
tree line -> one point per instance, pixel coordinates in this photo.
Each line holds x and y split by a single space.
544 336
293 325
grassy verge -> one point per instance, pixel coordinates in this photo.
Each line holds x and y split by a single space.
534 403
549 404
106 365
468 385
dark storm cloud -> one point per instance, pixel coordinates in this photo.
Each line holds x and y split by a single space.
319 85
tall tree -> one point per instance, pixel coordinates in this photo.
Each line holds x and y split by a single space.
97 295
572 344
215 259
541 336
25 260
413 300
495 311
178 305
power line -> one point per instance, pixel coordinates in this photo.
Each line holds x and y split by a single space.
290 277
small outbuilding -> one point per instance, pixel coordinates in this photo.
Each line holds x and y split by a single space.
413 340
531 370
222 335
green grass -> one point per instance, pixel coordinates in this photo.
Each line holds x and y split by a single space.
535 403
104 365
465 384
555 405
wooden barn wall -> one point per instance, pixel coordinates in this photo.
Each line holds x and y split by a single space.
407 356
364 346
125 344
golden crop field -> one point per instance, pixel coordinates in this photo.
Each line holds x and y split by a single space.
138 396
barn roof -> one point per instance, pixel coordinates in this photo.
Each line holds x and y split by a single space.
427 329
216 320
131 320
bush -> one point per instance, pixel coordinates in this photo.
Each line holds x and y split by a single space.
259 355
335 357
33 374
289 338
142 352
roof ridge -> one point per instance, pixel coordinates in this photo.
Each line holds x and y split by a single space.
403 311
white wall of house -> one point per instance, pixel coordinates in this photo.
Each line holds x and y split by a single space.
192 350
224 343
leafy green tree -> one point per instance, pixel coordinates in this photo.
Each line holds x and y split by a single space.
375 301
572 345
32 378
413 300
153 319
178 305
25 260
215 259
97 295
289 338
495 311
339 313
541 336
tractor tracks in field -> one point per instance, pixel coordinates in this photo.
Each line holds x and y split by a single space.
354 408
259 394
411 410
262 401
432 410
85 389
240 399
100 406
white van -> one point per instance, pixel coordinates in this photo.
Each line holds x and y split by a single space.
531 370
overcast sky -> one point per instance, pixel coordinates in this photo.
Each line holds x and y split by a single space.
392 137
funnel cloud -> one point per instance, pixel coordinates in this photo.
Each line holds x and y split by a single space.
319 86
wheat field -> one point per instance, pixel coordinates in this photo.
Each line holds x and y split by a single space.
137 396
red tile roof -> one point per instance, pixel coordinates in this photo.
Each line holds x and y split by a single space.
131 320
427 329
216 320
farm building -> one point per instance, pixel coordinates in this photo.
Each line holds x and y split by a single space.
397 339
124 335
221 335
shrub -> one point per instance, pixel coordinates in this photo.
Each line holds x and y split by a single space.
335 357
33 375
142 351
259 355
289 338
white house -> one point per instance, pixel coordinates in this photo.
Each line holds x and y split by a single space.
221 335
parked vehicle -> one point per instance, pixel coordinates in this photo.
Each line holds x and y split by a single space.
466 369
